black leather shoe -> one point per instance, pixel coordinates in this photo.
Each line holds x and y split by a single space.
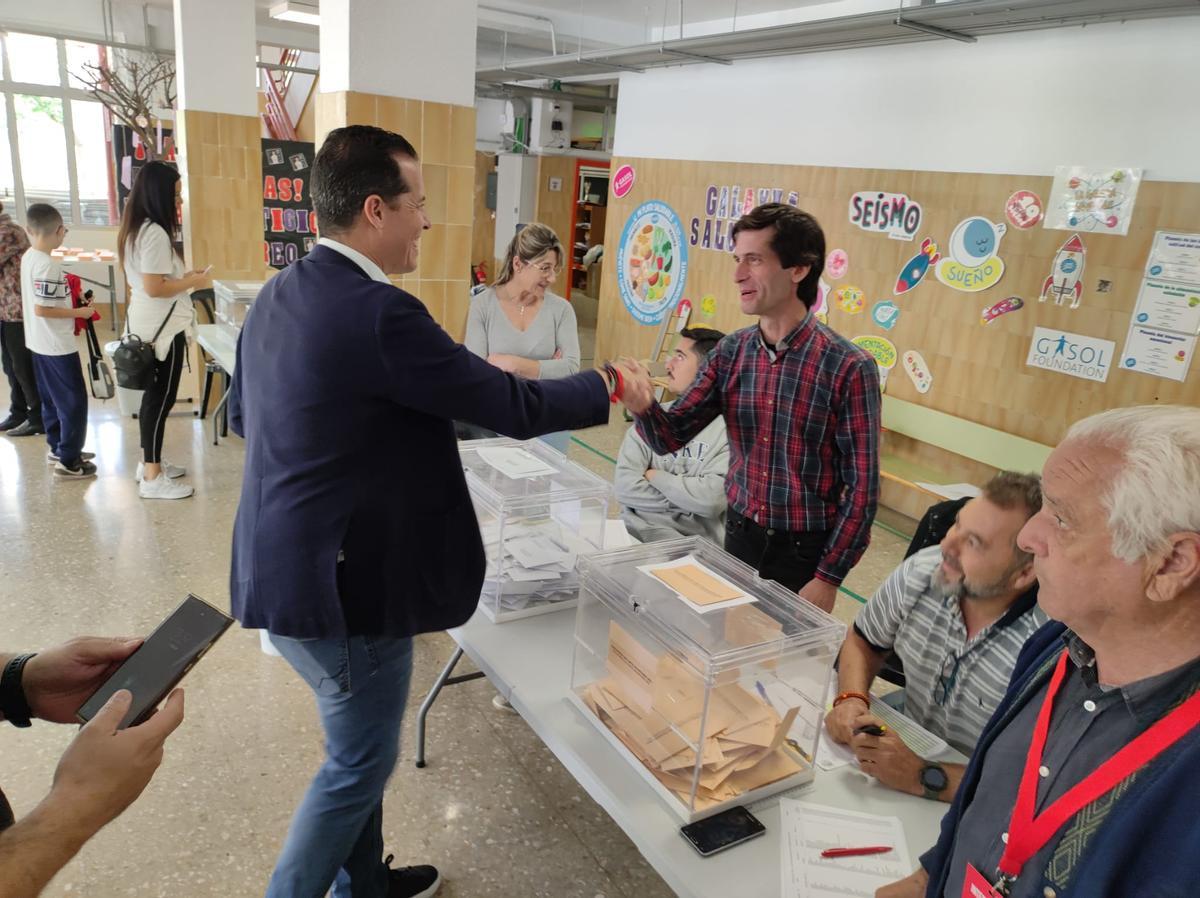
10 422
26 429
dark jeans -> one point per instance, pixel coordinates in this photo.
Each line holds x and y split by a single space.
158 400
25 401
789 557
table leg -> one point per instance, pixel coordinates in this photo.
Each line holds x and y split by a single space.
112 296
216 417
443 679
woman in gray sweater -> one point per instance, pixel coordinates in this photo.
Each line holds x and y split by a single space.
518 325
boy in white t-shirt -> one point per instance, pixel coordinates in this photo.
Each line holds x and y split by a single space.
50 336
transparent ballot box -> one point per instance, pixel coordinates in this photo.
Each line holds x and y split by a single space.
234 299
710 681
538 514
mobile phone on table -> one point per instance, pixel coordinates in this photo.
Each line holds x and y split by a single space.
723 830
161 661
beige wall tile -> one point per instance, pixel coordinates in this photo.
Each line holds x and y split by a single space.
436 180
458 303
435 133
433 254
433 294
361 109
458 251
462 135
460 196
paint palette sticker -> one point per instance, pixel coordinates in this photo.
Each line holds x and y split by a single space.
885 314
836 264
918 372
917 267
1003 307
850 299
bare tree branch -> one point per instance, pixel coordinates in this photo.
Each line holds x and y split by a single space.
133 91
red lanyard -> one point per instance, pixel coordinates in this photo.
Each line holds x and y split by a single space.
1027 833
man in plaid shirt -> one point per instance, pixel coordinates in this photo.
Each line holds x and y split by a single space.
802 408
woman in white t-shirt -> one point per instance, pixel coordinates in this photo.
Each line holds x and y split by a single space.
160 310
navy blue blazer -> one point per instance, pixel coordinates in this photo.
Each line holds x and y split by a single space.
345 390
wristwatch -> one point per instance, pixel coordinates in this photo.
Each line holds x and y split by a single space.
934 781
12 697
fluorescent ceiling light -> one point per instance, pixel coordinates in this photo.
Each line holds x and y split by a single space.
291 11
932 29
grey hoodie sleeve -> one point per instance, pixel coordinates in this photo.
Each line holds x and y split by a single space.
701 493
566 340
632 488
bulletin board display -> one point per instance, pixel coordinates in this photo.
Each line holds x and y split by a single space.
957 271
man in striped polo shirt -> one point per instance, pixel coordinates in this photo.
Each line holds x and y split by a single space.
957 615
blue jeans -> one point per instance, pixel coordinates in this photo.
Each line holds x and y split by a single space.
64 404
336 835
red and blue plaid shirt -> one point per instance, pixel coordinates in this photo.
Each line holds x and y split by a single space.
804 420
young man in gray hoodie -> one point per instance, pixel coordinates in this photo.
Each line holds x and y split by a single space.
683 493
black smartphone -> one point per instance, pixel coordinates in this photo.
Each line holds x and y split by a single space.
161 661
723 830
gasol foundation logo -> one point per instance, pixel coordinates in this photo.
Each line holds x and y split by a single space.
652 260
1073 354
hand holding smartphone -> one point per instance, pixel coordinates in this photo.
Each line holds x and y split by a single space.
161 661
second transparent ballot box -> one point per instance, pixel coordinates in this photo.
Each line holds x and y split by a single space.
539 513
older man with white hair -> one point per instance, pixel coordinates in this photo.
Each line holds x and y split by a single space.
1083 783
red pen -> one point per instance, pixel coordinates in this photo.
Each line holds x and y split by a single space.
855 852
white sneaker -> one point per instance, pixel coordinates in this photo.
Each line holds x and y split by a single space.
174 472
162 487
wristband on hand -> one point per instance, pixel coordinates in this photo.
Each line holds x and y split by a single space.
845 696
13 704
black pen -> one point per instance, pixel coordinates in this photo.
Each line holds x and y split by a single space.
871 729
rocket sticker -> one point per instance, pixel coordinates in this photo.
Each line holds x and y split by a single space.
1066 275
917 267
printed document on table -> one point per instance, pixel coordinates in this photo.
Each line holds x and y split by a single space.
515 462
809 829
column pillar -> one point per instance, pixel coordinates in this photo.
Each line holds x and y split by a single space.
218 137
409 67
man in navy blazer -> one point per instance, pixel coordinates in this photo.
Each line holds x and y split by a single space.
355 530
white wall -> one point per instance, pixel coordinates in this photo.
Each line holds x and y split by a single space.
1022 103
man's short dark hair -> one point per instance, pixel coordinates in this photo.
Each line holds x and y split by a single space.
1012 490
797 240
354 163
42 218
704 339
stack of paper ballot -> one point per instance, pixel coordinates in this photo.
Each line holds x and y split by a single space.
530 563
655 706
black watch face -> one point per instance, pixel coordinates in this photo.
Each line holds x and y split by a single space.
934 779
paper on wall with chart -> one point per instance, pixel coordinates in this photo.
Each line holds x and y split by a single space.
808 829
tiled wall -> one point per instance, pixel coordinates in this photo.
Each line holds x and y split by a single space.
220 156
444 137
